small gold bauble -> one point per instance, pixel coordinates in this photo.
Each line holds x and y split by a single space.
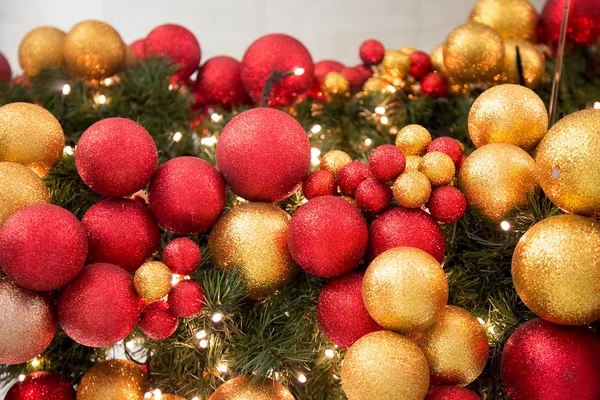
395 64
164 396
19 187
385 365
413 163
568 165
413 140
113 380
94 50
405 289
438 168
496 178
152 280
532 61
242 388
512 19
31 136
437 60
408 50
41 48
335 86
374 86
333 161
412 189
456 347
556 269
252 237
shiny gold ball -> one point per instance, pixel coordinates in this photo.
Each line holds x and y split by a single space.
242 388
396 64
556 269
512 19
408 50
333 161
437 60
374 86
568 166
413 140
41 48
113 380
252 237
532 61
335 86
405 289
456 347
94 50
31 136
496 178
474 53
164 396
412 189
413 163
438 168
385 365
152 280
19 187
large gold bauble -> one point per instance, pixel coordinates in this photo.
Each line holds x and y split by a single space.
437 60
152 280
532 61
508 114
412 189
556 269
252 237
374 86
333 161
413 140
242 388
385 365
31 136
113 380
94 50
405 289
513 19
438 168
335 86
19 187
396 64
568 163
41 48
496 178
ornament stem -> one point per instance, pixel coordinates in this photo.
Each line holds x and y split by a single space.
276 76
559 64
520 67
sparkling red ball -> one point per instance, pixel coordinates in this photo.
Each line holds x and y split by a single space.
182 256
41 386
186 299
448 146
318 183
355 78
324 67
157 322
386 163
420 64
177 44
371 52
373 197
351 175
447 204
365 72
138 48
583 27
434 85
219 83
5 71
450 393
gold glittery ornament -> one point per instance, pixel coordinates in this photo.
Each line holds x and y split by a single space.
113 380
333 161
412 189
19 187
408 50
335 86
512 19
496 178
374 86
242 388
31 136
413 140
405 289
164 396
395 65
568 165
385 365
94 50
556 269
152 280
438 167
437 60
41 48
252 237
412 163
473 53
532 61
456 347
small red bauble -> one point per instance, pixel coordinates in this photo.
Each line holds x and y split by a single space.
121 232
583 26
365 72
372 52
186 299
373 197
420 64
263 155
182 256
187 195
460 163
434 85
327 236
543 361
386 163
157 322
219 83
354 77
351 175
324 67
451 393
41 386
318 183
447 204
100 307
138 48
178 45
448 146
116 157
5 71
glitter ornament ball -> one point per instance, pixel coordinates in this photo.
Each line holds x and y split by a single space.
157 322
395 65
177 44
437 60
182 256
242 388
543 361
40 49
413 140
373 197
434 85
219 83
450 393
512 19
533 63
438 168
113 380
322 68
263 155
385 366
252 237
327 236
41 386
371 52
350 176
447 204
319 183
448 146
20 187
374 86
335 86
138 49
5 71
186 299
412 163
386 163
412 189
583 26
354 77
152 280
420 64
333 161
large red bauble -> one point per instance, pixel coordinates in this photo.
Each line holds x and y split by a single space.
41 386
406 227
5 71
138 48
187 195
583 26
219 83
281 52
451 393
157 322
182 256
351 175
448 146
116 157
434 85
178 45
121 232
420 64
186 299
100 307
386 163
263 155
447 204
373 197
544 361
327 236
324 67
341 312
371 52
319 183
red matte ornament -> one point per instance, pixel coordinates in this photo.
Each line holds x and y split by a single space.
177 44
186 299
138 48
386 163
157 322
182 256
371 52
434 85
583 25
448 146
5 71
41 386
219 83
373 197
451 393
319 183
447 204
351 175
355 78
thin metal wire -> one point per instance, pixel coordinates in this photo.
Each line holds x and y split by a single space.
559 64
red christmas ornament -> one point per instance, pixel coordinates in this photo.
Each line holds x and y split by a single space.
373 197
371 52
583 25
178 45
386 163
447 204
42 247
283 53
100 307
420 64
5 71
460 163
543 361
157 322
451 393
187 195
138 48
219 83
182 256
318 183
434 85
120 232
327 236
351 175
116 157
41 386
186 299
354 77
448 146
365 72
263 155
324 67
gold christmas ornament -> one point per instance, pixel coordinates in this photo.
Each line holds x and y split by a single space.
438 167
41 48
496 178
512 19
532 61
508 114
335 86
568 166
412 163
19 187
152 280
396 64
384 365
374 86
437 60
456 347
333 161
94 50
252 237
31 136
556 269
242 388
413 140
164 396
113 380
412 189
405 289
408 50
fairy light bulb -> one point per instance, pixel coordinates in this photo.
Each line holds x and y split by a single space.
597 105
201 334
21 378
302 378
215 117
177 136
391 89
102 99
505 225
368 141
68 150
380 110
208 141
329 353
203 343
481 321
316 128
157 394
35 362
217 317
384 120
222 368
66 89
148 395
